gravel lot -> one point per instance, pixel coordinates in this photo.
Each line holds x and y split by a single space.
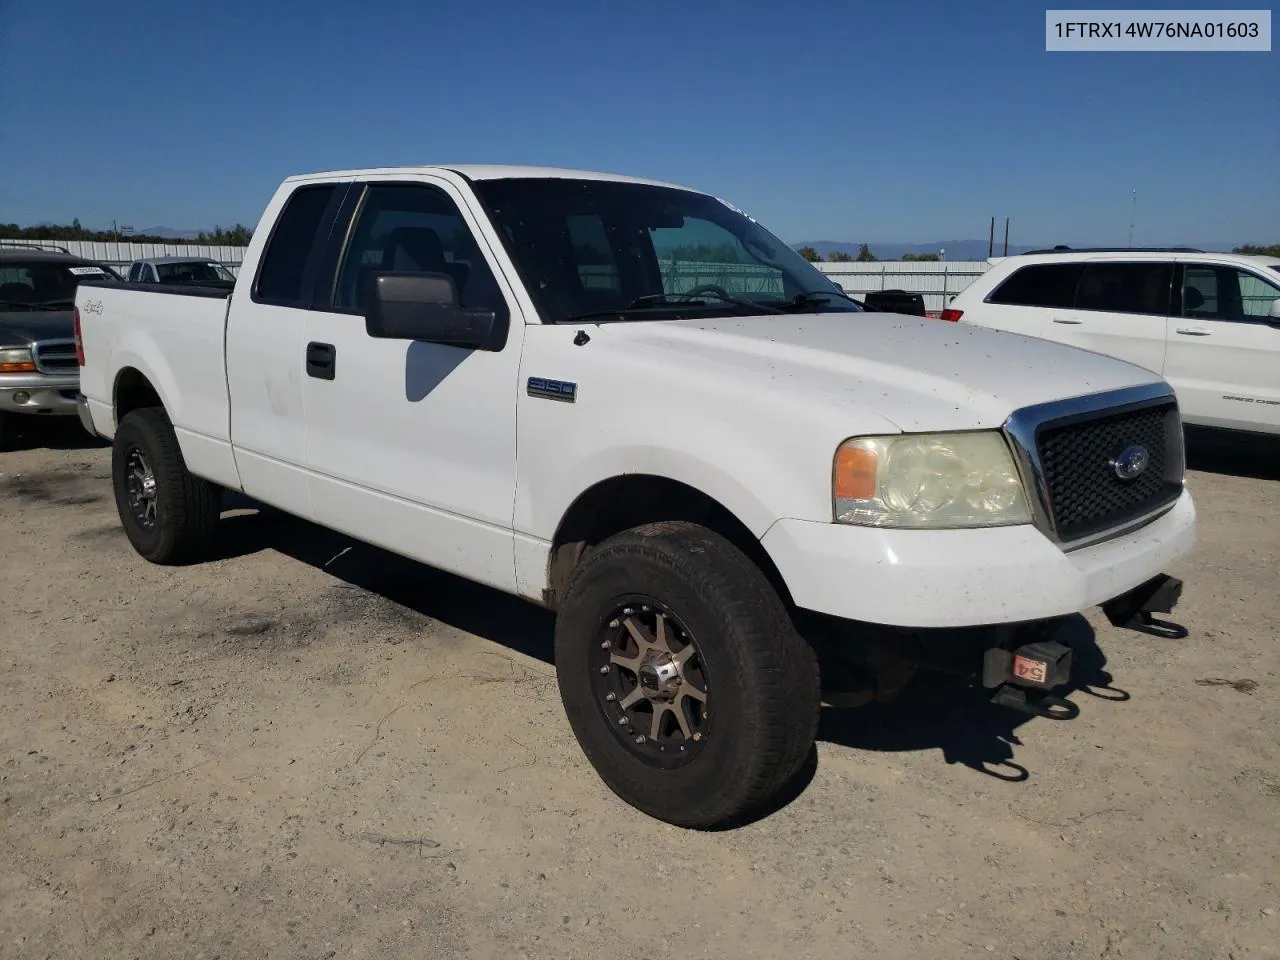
311 749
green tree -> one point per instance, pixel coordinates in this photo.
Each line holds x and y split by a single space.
1255 250
839 256
810 254
237 236
865 255
920 256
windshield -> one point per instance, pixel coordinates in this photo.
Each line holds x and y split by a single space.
44 284
194 271
603 248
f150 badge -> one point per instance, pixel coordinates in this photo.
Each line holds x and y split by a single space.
561 390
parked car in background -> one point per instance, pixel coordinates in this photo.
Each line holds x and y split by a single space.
740 499
895 301
1209 323
39 375
197 270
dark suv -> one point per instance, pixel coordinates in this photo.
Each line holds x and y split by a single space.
38 371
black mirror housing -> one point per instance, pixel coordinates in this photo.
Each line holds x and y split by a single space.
425 307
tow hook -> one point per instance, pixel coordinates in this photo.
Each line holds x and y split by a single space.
1133 610
1024 676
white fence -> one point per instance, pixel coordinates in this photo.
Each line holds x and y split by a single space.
937 281
120 255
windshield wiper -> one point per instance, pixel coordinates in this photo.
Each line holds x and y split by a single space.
812 297
654 300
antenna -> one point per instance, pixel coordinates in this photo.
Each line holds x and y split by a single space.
991 239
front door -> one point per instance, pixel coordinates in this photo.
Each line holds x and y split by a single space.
1224 349
411 445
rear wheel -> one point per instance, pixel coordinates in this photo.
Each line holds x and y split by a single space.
168 515
682 676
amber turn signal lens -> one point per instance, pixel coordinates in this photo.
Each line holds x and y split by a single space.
855 473
27 367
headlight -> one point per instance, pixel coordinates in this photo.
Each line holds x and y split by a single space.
928 480
16 360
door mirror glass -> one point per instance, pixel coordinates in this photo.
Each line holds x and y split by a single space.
424 306
1275 310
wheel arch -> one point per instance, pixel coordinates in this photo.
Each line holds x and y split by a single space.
624 501
132 390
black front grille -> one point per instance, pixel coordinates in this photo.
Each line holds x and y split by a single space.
1086 494
56 357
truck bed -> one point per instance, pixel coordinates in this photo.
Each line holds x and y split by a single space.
176 333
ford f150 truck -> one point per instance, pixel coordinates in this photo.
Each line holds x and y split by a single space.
628 402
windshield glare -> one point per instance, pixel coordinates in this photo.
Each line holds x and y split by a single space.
588 247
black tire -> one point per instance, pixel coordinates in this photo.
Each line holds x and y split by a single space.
184 520
6 430
762 711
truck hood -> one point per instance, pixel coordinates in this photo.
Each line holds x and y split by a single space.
919 374
21 328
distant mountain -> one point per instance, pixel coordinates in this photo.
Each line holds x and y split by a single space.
960 249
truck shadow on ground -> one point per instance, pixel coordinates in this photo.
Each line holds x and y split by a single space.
50 433
1235 454
951 714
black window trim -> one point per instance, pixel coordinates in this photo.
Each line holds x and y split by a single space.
306 295
340 241
1168 293
1176 305
1078 264
1173 295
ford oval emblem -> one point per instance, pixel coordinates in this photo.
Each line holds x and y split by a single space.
1130 462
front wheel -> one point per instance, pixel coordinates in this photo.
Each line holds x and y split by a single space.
169 515
683 678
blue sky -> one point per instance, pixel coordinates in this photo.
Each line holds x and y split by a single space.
841 121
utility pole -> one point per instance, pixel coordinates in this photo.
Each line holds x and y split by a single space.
991 239
1133 212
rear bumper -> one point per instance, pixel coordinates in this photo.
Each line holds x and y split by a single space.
38 395
86 416
960 578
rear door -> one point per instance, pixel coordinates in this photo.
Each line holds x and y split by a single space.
1119 309
266 344
412 445
1224 350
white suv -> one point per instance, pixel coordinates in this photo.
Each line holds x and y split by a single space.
1209 323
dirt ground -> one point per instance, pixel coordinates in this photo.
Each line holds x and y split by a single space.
311 749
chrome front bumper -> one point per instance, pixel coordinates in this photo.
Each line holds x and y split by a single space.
39 395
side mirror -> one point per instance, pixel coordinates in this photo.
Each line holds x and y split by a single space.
1274 315
424 306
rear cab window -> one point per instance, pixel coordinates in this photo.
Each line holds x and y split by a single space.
281 279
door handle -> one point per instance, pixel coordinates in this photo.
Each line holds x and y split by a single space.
322 360
1193 331
1073 323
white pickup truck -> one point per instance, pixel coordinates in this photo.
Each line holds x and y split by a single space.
626 401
